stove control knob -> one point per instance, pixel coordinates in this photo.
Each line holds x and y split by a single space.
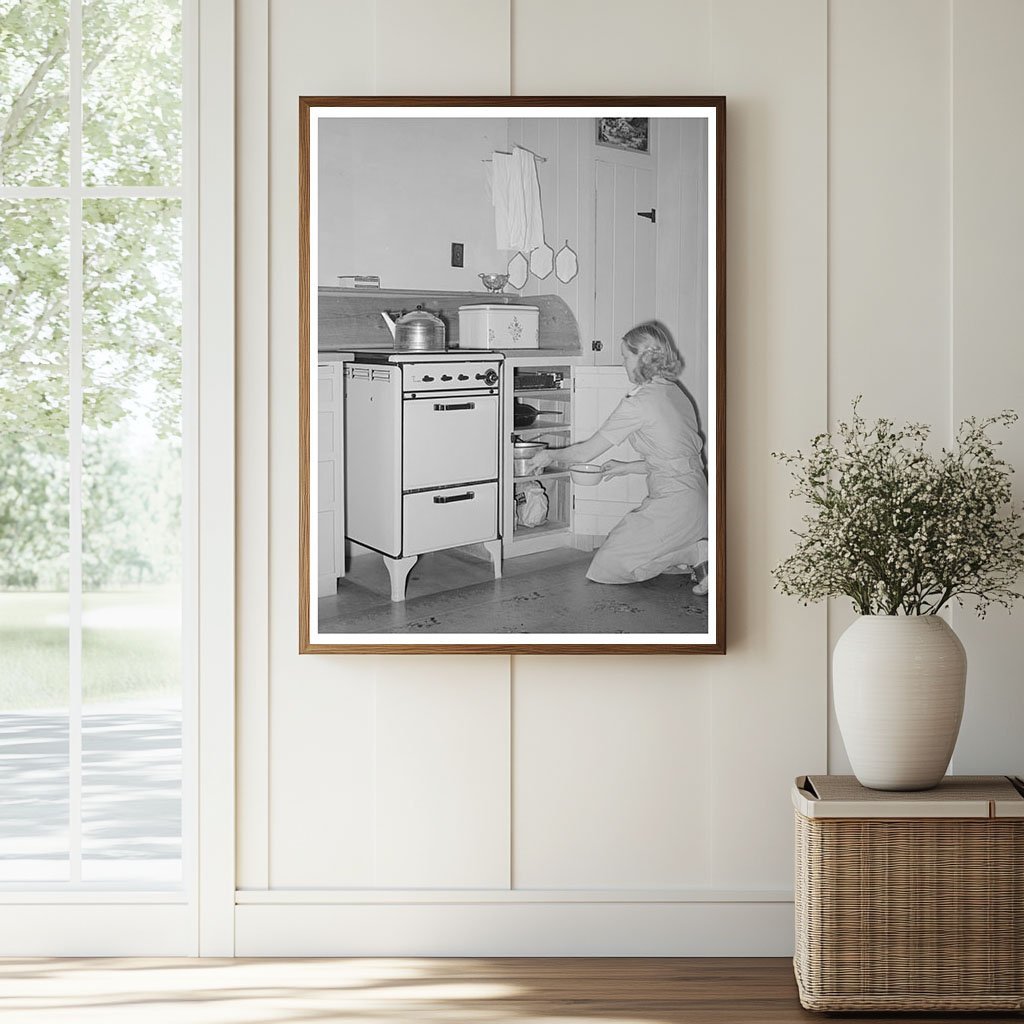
489 378
426 380
463 376
446 376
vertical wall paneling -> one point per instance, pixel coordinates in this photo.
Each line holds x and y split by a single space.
696 256
769 692
577 47
672 291
987 370
441 793
321 709
252 187
216 479
323 776
586 214
441 48
604 241
681 301
888 223
619 772
611 775
566 227
567 196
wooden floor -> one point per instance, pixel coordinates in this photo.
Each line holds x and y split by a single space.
383 991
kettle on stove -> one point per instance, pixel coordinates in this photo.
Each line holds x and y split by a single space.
416 331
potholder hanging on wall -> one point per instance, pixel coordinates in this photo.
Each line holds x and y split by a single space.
518 270
541 260
567 265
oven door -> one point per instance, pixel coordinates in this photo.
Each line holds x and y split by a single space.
449 439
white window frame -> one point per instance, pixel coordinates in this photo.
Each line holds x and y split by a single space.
75 918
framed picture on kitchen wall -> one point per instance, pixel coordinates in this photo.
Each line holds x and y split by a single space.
512 375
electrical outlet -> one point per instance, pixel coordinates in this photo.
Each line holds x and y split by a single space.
458 254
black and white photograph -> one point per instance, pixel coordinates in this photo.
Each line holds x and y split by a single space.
511 375
625 133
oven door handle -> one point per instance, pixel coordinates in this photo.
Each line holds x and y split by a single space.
453 406
444 499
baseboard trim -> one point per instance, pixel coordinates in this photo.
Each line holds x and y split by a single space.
345 897
520 928
73 930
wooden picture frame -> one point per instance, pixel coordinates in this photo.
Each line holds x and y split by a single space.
350 332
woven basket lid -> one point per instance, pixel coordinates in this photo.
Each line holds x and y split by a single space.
957 796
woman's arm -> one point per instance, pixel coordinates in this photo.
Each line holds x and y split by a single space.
581 451
616 467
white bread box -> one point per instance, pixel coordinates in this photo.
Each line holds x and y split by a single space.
498 326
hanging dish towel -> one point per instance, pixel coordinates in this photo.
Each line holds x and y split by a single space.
515 193
501 195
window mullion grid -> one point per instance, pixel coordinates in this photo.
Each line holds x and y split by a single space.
76 192
75 333
94 191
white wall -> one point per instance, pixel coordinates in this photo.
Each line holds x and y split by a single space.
681 291
543 805
396 192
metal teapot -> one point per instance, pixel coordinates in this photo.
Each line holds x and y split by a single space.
416 331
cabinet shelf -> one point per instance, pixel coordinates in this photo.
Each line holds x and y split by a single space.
560 428
551 526
544 474
543 392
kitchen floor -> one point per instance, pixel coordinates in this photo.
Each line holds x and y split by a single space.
454 591
419 990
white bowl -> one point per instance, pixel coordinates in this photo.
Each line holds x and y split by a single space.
586 474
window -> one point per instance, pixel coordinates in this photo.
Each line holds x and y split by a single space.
95 463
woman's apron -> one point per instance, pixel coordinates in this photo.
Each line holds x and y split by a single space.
669 529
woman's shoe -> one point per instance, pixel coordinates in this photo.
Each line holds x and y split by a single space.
700 574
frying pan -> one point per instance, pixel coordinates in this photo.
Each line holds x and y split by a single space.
525 415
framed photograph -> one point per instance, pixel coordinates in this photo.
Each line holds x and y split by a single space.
534 466
630 133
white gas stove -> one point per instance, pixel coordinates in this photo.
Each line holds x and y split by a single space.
422 454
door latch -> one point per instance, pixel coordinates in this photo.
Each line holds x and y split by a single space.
596 346
651 214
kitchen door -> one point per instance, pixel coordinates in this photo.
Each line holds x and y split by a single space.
625 254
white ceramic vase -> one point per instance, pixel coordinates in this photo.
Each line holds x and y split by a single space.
898 685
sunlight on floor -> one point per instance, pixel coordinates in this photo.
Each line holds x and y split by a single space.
162 991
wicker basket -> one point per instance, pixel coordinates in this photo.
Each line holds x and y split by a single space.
910 901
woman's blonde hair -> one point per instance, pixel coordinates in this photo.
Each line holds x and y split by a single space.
658 354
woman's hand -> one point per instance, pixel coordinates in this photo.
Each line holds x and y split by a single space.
539 461
616 467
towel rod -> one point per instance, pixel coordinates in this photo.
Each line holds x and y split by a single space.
542 159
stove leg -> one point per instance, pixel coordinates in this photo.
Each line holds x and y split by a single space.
494 550
398 570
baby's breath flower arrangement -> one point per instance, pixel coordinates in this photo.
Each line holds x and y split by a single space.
899 530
